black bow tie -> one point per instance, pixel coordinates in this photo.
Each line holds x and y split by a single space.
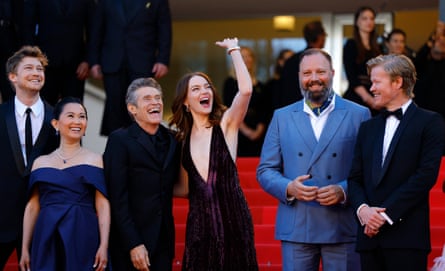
396 113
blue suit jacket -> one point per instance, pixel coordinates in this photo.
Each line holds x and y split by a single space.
138 37
290 150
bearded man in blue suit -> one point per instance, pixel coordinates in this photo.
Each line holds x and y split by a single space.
305 160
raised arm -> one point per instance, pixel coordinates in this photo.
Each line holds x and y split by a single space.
234 116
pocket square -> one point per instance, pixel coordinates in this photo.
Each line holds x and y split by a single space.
147 5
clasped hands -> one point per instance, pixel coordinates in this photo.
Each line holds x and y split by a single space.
372 219
326 195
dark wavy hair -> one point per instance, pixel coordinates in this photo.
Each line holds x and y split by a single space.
181 119
375 48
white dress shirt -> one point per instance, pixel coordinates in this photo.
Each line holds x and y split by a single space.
37 115
318 122
391 126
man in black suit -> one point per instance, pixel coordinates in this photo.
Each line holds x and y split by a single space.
26 73
315 37
396 163
141 165
130 39
61 28
10 37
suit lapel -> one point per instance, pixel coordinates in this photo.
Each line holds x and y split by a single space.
332 125
14 138
303 126
379 133
119 5
398 133
133 7
171 148
44 133
143 138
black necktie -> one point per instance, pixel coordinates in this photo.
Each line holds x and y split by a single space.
396 113
28 133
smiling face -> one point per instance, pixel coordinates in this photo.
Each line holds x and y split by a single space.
148 110
199 98
29 75
315 78
388 92
72 122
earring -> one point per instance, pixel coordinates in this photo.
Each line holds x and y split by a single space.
187 108
57 132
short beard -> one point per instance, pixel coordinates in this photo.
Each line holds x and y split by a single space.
318 97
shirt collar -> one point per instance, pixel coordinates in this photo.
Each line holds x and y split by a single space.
327 109
37 108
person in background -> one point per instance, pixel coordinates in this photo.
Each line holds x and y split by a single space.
54 24
273 87
67 218
219 229
395 43
25 70
395 165
305 160
11 16
362 47
141 166
130 39
430 65
253 127
315 37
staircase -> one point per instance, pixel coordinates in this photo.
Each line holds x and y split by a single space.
263 208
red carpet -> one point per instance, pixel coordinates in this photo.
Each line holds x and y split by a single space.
263 208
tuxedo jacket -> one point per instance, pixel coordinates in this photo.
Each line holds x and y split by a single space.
132 34
402 183
291 150
14 174
140 189
63 29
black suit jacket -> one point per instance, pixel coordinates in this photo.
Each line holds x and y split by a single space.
13 172
403 183
136 37
63 31
140 190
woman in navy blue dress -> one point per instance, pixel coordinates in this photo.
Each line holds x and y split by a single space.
67 218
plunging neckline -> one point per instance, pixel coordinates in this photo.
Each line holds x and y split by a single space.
206 181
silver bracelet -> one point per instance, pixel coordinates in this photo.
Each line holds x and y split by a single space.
231 49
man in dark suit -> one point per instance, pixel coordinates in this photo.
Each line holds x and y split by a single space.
315 37
130 39
141 165
10 37
56 24
26 73
396 163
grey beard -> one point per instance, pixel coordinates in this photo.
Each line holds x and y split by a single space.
308 96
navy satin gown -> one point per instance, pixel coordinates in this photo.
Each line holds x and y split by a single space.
66 233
